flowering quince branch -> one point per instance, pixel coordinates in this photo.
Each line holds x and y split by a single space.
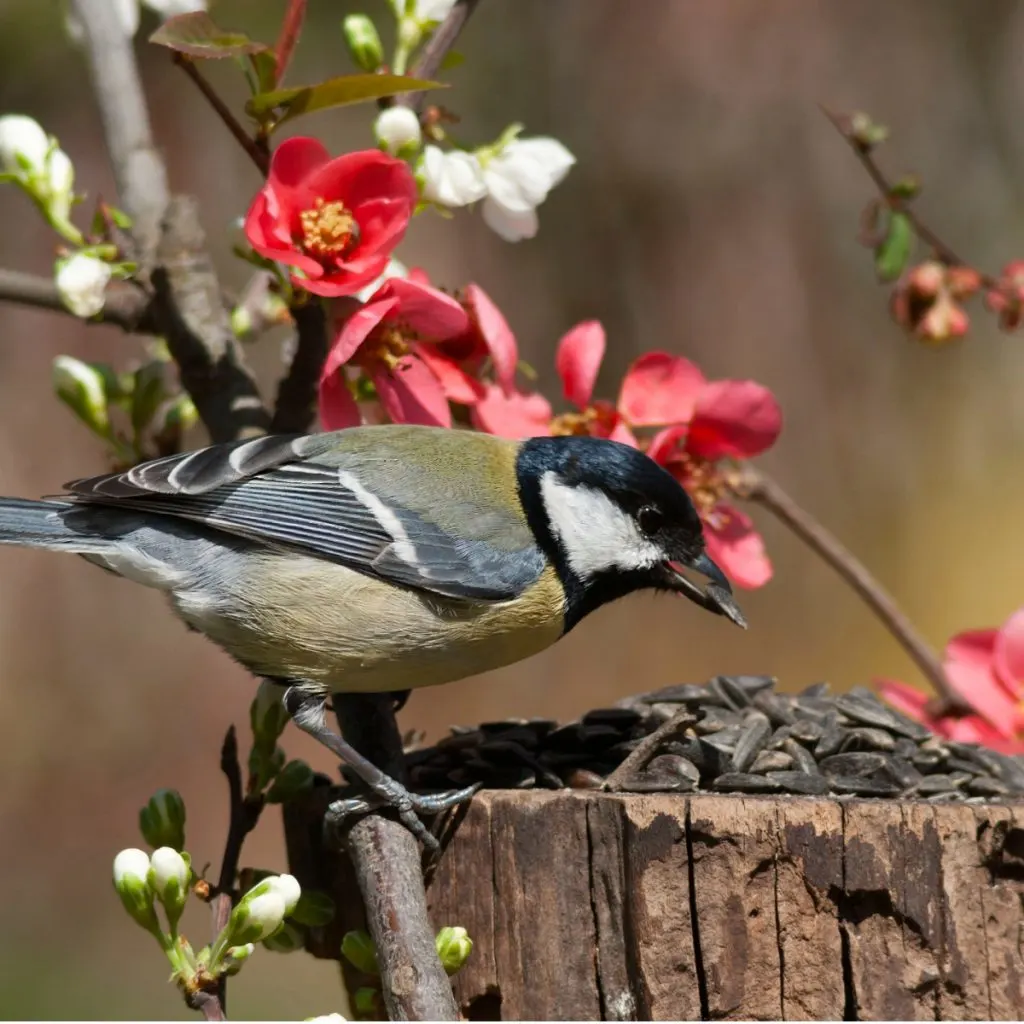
756 486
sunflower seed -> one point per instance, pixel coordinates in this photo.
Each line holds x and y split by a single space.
686 693
831 737
863 706
739 782
902 772
803 759
814 690
926 760
867 738
800 782
735 697
618 718
776 707
751 741
714 720
931 784
725 739
852 764
581 778
982 785
859 785
807 732
770 761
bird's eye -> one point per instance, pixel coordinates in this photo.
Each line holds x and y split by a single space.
650 519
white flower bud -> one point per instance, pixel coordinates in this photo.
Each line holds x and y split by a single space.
82 281
512 227
23 145
433 10
327 1018
168 878
131 871
82 388
452 179
453 948
60 180
256 917
397 129
289 889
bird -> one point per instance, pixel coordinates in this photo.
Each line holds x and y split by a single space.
379 559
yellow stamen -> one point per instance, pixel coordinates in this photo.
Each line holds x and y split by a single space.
328 229
386 346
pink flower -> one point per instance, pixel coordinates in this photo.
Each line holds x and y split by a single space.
729 419
986 668
657 389
1007 299
457 361
927 299
334 221
387 338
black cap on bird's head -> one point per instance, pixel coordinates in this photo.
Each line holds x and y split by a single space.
613 521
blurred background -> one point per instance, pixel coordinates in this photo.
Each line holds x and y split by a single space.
712 213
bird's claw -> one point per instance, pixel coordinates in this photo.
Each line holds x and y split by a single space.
409 807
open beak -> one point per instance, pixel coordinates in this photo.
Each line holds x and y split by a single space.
716 596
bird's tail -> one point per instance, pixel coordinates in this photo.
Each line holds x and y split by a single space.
44 524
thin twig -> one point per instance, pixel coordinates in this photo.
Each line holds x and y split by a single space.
138 170
386 858
647 748
895 201
257 153
124 305
756 486
435 51
297 392
291 26
244 814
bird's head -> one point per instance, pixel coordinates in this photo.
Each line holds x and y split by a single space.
612 521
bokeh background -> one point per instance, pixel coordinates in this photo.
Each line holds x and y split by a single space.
713 213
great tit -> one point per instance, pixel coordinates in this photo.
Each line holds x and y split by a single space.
378 559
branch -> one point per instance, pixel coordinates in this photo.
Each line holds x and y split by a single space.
188 311
842 124
297 392
757 487
138 170
257 153
386 858
125 305
435 51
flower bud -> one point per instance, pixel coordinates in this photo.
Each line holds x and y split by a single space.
81 387
289 938
397 130
358 949
267 714
314 909
23 145
452 179
235 957
255 917
453 948
433 10
294 778
82 281
168 878
162 820
287 886
363 42
327 1018
131 871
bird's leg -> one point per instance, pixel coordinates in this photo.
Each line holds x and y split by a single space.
307 711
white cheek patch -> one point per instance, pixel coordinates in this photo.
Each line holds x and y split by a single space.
595 533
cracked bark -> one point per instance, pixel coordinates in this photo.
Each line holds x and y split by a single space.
663 906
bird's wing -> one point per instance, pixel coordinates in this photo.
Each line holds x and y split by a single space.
304 493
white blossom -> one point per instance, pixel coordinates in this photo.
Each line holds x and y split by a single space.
131 868
453 178
518 179
82 281
287 886
256 917
127 12
23 145
327 1018
168 868
433 10
397 129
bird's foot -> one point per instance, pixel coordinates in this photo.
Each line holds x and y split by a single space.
409 806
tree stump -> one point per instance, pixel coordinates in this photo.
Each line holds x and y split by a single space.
586 905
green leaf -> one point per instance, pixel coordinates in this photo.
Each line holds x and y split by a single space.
906 188
264 66
893 251
314 909
452 59
198 35
335 92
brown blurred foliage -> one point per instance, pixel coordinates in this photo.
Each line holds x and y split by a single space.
713 212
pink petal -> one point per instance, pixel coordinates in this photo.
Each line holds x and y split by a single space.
973 647
658 389
1008 656
734 419
737 547
974 729
412 394
427 311
496 334
622 434
337 407
292 166
517 415
665 444
345 281
980 688
578 360
352 330
457 385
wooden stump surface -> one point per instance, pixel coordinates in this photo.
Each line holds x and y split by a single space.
622 907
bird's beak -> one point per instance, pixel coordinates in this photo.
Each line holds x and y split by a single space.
716 596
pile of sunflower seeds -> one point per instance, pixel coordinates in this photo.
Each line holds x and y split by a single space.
743 737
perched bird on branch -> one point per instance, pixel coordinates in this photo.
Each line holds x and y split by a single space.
379 559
